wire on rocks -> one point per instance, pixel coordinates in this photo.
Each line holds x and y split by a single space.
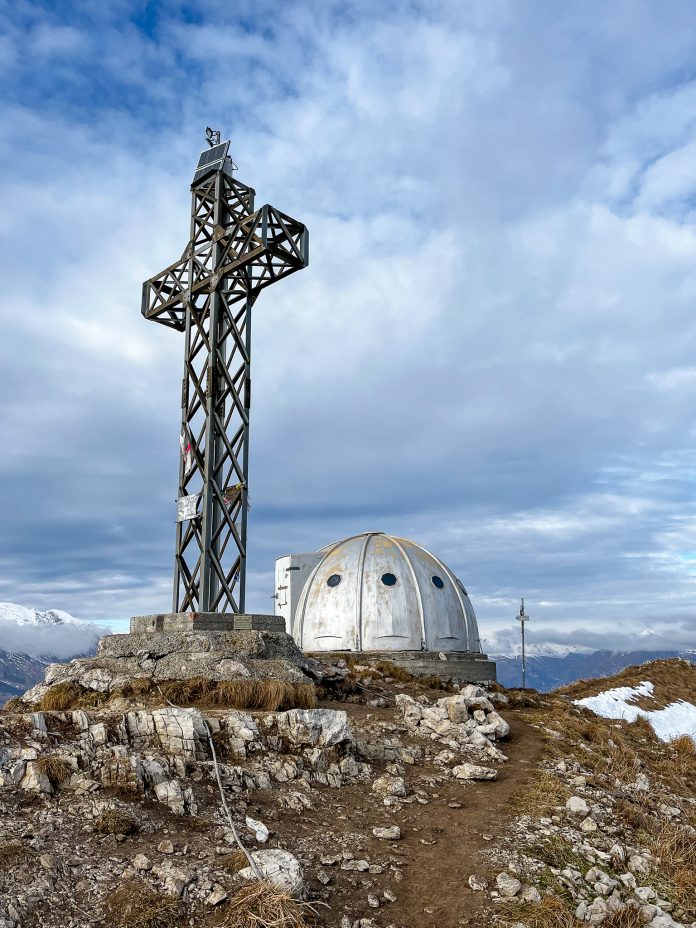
247 854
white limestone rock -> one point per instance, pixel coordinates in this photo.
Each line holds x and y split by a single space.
391 833
388 785
501 727
322 727
179 799
576 805
278 867
508 886
478 884
35 780
182 732
474 772
258 829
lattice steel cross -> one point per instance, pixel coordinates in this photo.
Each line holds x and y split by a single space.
233 253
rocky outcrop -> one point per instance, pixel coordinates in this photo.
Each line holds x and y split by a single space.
151 751
466 722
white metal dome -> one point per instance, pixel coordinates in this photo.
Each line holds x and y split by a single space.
374 592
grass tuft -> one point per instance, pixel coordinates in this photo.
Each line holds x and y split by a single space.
55 768
70 695
542 795
674 844
116 822
136 905
551 912
627 917
235 861
263 905
14 704
268 695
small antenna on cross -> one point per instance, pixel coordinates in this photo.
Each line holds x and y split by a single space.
212 136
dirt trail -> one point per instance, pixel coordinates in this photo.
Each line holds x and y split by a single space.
439 849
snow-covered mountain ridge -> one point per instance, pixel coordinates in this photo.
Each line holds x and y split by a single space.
23 615
31 638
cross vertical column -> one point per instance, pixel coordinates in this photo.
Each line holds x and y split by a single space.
233 253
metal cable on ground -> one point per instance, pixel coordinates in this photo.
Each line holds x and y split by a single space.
247 854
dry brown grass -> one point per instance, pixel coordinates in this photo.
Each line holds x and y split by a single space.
339 689
55 768
14 704
551 912
611 752
401 675
675 847
541 795
262 905
135 905
116 822
627 917
14 853
267 695
643 729
69 695
523 699
235 861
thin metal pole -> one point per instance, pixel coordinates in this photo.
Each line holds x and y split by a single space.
524 663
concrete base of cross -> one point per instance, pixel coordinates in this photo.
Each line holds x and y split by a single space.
205 622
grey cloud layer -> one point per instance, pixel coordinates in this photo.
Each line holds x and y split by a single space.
492 350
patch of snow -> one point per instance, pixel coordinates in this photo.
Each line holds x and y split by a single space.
679 718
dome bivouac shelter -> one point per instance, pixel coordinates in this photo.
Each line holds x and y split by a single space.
382 595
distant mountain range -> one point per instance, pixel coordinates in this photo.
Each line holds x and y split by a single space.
546 671
30 639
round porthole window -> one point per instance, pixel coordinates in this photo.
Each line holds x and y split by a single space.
388 579
333 580
438 582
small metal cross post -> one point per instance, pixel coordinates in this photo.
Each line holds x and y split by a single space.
523 617
234 251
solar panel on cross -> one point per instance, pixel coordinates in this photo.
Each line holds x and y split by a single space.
210 160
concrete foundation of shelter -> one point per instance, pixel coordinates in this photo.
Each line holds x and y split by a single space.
459 666
205 622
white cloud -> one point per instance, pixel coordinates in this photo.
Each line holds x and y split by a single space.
491 349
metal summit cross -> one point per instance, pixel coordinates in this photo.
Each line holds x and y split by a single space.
234 252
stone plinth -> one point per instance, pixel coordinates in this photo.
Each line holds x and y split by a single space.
459 667
218 656
205 622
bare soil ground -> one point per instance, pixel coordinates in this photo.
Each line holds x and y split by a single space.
441 844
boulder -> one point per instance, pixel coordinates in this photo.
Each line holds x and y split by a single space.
182 732
34 779
508 886
502 729
323 727
388 785
576 805
279 867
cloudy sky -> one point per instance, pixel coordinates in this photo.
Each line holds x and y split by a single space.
493 350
